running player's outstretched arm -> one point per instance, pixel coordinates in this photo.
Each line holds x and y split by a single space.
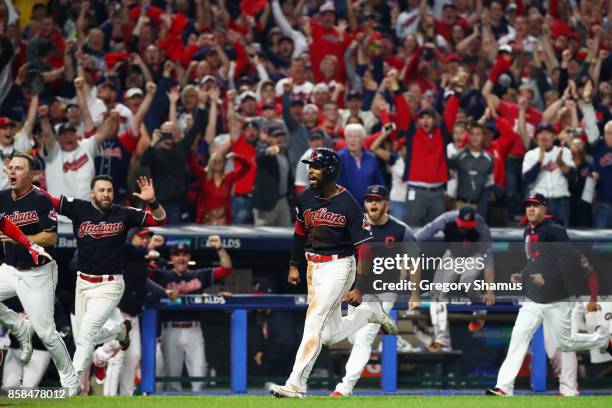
147 194
12 233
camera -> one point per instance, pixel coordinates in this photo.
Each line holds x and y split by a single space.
166 136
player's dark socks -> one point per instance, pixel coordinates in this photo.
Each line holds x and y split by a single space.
13 232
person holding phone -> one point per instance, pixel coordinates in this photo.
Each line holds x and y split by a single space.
166 157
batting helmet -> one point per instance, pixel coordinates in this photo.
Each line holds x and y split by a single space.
326 159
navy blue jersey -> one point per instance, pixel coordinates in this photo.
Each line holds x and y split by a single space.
332 226
392 231
33 213
100 235
191 282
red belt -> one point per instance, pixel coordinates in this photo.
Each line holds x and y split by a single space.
95 279
323 258
181 325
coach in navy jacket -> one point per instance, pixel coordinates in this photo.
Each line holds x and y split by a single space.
359 166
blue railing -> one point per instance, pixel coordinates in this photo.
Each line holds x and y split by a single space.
239 305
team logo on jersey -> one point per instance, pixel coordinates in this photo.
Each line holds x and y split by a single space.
605 160
23 218
101 230
53 215
75 165
366 225
322 217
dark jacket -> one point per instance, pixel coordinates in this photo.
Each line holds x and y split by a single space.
550 254
265 191
169 166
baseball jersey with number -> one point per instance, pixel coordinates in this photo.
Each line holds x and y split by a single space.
333 226
100 235
33 213
70 173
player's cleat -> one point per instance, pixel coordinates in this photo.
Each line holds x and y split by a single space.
74 391
285 391
438 347
36 251
25 343
100 374
497 392
476 325
337 394
125 343
387 324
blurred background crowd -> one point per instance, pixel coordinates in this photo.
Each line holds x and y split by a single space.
446 102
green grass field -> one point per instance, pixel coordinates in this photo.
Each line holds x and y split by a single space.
319 402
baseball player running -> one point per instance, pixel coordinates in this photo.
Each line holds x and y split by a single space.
548 269
329 228
22 274
467 235
100 228
389 230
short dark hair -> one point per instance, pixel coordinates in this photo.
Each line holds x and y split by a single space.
31 162
477 125
101 177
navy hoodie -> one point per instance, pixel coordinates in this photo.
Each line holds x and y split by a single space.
550 254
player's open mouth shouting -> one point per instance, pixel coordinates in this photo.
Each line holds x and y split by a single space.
315 175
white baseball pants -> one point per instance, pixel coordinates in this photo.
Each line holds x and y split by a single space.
120 365
362 348
438 310
36 291
558 316
94 304
183 345
17 374
324 323
565 364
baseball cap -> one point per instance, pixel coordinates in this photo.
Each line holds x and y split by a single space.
277 131
316 134
65 127
297 101
320 87
466 217
377 191
311 106
251 124
180 248
132 92
535 198
428 111
506 48
4 122
353 94
327 6
108 84
269 105
208 78
247 94
544 126
143 232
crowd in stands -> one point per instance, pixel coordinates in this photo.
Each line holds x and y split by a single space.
448 102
